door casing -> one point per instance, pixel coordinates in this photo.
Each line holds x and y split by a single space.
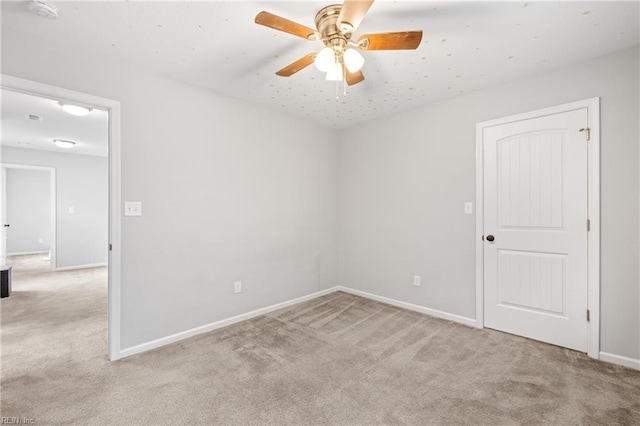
3 216
593 240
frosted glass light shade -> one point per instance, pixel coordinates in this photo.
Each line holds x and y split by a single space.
353 60
62 143
325 59
335 72
78 110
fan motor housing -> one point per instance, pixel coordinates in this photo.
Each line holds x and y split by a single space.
327 25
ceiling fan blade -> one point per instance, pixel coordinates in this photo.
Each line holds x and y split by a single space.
352 13
281 24
354 77
391 41
296 66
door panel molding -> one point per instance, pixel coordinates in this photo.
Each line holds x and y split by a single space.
593 207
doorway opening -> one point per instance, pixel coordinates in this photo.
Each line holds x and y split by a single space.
84 236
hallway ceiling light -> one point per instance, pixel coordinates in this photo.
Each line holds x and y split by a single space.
63 143
78 110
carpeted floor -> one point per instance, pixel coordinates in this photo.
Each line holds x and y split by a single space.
338 359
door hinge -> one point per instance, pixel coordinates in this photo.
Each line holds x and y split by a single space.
110 247
587 133
588 315
588 224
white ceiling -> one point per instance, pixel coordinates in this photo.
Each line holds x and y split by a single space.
216 45
90 133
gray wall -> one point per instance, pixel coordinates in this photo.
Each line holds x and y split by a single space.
81 183
28 211
404 179
232 191
229 192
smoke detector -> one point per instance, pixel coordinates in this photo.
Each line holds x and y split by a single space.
44 8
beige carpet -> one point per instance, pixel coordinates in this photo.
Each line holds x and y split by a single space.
338 359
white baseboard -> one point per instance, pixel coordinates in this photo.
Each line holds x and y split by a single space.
90 265
620 360
143 347
604 356
218 324
26 253
410 306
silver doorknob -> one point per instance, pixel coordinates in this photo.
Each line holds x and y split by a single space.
490 238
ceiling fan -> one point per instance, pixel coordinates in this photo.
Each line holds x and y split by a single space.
340 59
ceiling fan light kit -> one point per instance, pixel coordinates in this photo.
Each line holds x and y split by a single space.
335 73
353 60
324 59
340 59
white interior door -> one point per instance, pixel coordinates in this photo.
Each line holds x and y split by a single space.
3 216
535 228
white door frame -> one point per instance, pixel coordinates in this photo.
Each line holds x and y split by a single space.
113 108
593 251
3 216
52 200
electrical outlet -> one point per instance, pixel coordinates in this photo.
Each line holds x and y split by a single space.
416 280
237 287
40 240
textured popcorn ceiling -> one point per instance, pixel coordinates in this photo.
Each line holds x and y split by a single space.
216 45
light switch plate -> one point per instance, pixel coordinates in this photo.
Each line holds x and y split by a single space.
72 209
133 208
468 207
